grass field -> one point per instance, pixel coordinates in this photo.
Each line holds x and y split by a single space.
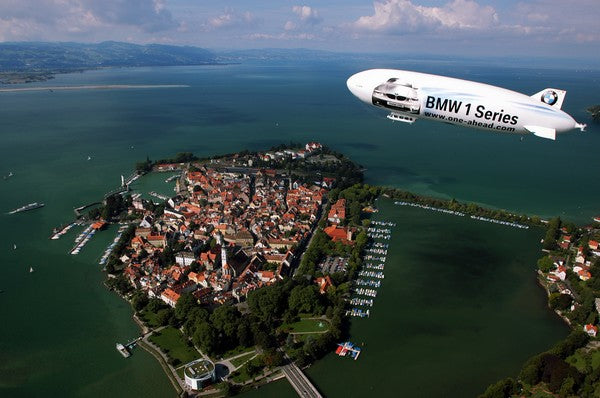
172 343
240 360
306 325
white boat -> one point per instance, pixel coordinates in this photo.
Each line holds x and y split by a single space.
14 246
123 350
30 269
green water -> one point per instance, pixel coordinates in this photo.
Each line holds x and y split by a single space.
460 307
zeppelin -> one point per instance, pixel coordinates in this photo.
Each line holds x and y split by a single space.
409 96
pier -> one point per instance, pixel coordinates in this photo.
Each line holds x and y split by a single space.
125 182
300 382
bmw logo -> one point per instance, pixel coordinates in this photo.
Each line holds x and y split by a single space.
550 97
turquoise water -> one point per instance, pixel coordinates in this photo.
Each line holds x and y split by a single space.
60 324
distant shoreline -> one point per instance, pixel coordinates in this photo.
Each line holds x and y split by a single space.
93 87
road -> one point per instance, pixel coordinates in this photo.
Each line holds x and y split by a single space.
300 382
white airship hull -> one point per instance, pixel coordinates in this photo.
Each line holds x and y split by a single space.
409 96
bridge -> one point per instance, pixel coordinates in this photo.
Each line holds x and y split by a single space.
300 382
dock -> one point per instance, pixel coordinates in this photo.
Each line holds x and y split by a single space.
125 349
347 348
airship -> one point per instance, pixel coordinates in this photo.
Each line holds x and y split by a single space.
409 96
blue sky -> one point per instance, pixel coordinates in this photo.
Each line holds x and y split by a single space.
554 28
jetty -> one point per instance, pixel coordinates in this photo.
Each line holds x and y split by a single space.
58 232
125 182
348 349
82 239
125 349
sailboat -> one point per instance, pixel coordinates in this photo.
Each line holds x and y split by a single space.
30 269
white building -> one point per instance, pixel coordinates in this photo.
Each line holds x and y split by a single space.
199 373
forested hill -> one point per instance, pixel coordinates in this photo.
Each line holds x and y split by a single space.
53 57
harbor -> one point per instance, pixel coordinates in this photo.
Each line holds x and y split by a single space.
82 239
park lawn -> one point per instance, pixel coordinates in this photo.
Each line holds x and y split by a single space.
243 359
172 343
237 351
241 375
306 325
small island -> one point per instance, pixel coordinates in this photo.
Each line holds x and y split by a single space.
252 269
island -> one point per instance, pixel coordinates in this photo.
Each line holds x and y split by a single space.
251 270
595 112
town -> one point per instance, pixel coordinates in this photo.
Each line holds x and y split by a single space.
239 232
203 267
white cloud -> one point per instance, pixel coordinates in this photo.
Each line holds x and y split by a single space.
231 18
82 19
289 25
307 14
403 16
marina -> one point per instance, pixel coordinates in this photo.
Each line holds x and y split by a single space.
426 207
83 239
507 223
371 275
110 247
58 232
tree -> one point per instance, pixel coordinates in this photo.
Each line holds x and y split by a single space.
205 337
163 317
303 299
559 301
195 317
185 303
139 300
552 234
503 389
244 333
545 264
225 320
154 305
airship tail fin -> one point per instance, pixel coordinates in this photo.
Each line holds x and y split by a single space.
543 132
551 96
